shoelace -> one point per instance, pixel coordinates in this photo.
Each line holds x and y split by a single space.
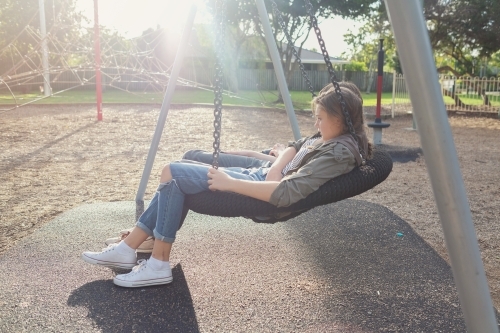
110 247
142 264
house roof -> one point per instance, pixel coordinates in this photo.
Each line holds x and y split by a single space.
194 50
306 57
311 57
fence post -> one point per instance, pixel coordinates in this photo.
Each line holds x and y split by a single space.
45 53
393 92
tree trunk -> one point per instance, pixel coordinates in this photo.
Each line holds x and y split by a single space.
231 62
369 77
457 100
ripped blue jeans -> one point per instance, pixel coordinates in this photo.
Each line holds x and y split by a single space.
162 218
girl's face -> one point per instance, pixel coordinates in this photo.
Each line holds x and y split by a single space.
329 126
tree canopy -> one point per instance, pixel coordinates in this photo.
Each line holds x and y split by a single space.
245 23
20 25
463 34
464 30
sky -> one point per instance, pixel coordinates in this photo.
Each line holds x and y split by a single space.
132 17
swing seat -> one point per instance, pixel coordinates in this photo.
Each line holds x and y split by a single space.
228 204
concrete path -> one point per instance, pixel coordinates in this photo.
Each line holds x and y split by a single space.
338 268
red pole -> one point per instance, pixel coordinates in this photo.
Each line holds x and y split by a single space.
97 52
378 125
380 76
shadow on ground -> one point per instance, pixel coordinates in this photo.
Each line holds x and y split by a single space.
401 154
381 275
153 309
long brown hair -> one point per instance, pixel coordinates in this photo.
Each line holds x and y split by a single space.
345 84
329 101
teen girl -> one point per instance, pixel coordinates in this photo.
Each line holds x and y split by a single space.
298 171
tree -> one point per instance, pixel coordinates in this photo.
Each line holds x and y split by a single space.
465 31
355 66
471 23
239 30
20 23
245 23
364 45
461 32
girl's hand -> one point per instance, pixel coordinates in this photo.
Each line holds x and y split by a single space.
277 149
218 180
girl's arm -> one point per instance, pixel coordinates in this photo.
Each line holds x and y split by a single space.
221 181
274 173
251 153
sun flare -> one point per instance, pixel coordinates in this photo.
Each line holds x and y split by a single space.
132 18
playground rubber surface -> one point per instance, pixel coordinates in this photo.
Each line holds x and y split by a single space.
352 266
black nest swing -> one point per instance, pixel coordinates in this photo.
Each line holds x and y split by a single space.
360 179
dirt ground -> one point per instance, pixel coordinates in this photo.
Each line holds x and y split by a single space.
54 158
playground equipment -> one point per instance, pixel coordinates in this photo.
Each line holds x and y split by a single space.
378 125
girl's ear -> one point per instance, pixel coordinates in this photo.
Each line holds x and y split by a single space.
339 121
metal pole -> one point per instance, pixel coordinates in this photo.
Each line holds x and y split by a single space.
415 52
278 68
378 125
97 57
45 53
393 93
172 82
380 77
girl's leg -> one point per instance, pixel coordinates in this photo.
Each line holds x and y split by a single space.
136 237
162 219
156 270
165 206
123 254
180 179
177 180
170 203
225 160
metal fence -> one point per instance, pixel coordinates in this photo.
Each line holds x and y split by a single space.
139 80
460 94
265 79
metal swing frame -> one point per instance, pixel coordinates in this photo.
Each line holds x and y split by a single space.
430 115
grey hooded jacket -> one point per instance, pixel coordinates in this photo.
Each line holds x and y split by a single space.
325 161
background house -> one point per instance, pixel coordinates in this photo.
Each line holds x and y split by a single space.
311 60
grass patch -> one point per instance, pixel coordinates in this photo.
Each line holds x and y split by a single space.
300 99
472 100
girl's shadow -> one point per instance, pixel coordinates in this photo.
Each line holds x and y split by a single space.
150 309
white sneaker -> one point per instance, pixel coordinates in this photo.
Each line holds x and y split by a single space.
143 275
111 258
145 247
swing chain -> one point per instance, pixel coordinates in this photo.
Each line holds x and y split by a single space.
218 87
277 13
333 77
